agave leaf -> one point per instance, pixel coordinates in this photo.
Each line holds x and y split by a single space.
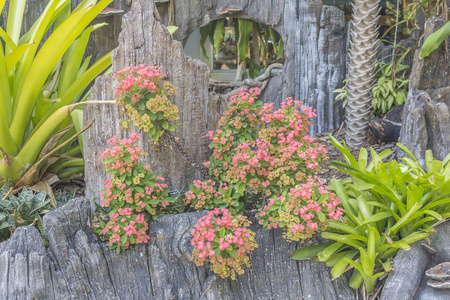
32 175
78 86
14 23
405 219
356 280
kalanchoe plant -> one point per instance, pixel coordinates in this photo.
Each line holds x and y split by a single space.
143 94
224 241
387 206
22 209
305 210
134 194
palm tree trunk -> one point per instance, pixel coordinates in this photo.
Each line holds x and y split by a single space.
362 55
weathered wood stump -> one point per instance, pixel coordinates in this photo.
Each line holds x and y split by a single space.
314 66
78 266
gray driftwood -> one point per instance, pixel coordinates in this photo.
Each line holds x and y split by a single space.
408 280
315 65
426 116
78 266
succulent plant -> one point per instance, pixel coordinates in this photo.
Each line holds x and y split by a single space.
22 209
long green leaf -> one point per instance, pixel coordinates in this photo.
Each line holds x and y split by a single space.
14 23
218 34
6 139
434 40
308 252
14 57
245 31
47 57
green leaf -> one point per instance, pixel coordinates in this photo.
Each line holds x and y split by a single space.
172 29
218 35
164 124
434 40
204 32
280 49
340 267
308 252
245 31
376 217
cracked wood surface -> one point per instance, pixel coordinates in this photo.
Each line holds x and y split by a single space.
315 65
78 266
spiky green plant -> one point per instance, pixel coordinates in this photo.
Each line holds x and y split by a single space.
40 82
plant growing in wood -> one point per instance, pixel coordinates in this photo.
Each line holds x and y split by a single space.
387 207
134 194
39 82
306 209
143 94
224 241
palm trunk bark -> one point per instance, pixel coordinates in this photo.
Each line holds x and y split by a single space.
361 66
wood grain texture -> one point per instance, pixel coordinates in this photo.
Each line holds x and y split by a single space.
78 266
315 65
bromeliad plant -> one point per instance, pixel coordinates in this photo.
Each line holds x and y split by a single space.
133 193
387 207
40 80
143 94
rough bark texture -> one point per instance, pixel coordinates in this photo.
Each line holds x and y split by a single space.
362 57
408 281
315 65
314 37
426 116
78 266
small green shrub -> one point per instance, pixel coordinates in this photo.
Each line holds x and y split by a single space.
134 194
387 207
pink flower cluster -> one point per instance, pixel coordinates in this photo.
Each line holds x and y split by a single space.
266 150
224 241
303 211
133 192
144 97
